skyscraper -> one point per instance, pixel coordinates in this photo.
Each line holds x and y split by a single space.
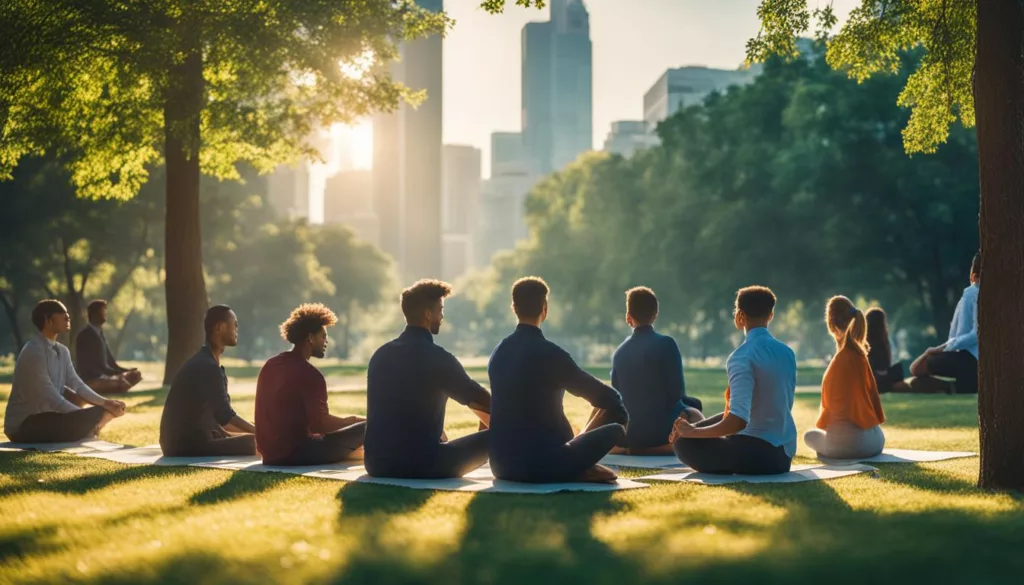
407 162
686 86
557 88
502 220
461 188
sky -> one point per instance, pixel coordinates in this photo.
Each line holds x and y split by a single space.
634 42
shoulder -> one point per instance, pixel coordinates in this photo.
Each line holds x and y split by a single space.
86 333
63 350
971 292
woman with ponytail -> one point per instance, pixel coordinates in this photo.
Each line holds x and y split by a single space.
849 426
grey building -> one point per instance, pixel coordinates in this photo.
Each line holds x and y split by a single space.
686 86
557 87
407 162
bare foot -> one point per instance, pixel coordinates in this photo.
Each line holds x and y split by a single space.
598 474
356 455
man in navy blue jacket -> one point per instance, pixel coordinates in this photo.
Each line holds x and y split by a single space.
647 369
531 439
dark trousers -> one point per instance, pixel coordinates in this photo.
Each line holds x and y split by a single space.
892 375
59 427
216 444
331 448
565 462
452 459
736 454
960 365
692 402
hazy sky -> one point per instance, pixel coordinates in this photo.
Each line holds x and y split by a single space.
634 42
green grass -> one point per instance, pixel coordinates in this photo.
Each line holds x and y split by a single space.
65 518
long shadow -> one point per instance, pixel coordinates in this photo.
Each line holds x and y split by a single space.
184 569
27 481
239 485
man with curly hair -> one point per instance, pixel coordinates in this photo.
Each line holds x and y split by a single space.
409 382
293 424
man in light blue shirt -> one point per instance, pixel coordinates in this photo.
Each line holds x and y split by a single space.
958 357
756 434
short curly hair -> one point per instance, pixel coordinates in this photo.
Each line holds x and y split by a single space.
305 320
422 295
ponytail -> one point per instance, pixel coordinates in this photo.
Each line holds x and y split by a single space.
856 332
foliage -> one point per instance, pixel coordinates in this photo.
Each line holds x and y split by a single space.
940 89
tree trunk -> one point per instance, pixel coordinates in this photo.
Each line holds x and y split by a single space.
999 99
183 254
11 310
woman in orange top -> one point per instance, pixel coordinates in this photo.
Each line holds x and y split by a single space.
851 413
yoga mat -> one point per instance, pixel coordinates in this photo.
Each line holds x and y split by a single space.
798 473
902 456
77 447
644 461
478 480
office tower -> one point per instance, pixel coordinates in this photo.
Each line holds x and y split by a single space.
626 137
502 219
461 197
407 162
557 87
288 190
348 200
686 86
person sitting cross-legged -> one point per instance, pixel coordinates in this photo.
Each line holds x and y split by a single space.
94 360
49 403
532 440
849 426
647 369
198 420
409 381
293 424
755 435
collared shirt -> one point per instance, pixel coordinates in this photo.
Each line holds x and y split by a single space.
963 331
41 373
529 377
197 404
409 381
647 369
762 386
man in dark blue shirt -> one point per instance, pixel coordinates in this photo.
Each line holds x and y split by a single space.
198 419
531 439
647 369
409 382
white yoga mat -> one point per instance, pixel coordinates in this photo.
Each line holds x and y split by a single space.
902 456
798 473
478 480
644 461
78 447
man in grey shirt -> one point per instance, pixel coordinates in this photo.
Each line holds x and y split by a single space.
47 395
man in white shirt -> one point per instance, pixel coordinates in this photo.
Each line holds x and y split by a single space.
958 357
47 393
756 434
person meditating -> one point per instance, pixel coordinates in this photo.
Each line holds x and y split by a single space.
849 426
94 360
958 357
409 382
531 439
293 424
47 395
647 370
198 420
755 435
888 375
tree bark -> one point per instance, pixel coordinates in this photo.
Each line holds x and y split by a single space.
11 310
184 283
999 100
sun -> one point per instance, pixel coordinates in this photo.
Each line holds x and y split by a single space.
354 143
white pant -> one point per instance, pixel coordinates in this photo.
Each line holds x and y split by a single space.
845 440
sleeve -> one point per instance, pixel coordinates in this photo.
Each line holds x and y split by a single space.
457 384
110 363
216 394
315 401
580 383
89 354
75 382
676 386
741 384
30 376
969 339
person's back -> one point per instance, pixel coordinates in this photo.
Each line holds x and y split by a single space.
409 381
531 439
189 409
773 367
282 420
647 371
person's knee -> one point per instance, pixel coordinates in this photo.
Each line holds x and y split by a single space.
919 368
693 415
815 439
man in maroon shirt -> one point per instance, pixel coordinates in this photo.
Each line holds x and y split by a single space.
293 425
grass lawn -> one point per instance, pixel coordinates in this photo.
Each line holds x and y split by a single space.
64 518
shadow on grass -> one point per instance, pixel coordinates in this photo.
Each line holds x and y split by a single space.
925 411
239 485
185 569
24 469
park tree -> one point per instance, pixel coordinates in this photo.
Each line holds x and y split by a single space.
115 87
972 71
